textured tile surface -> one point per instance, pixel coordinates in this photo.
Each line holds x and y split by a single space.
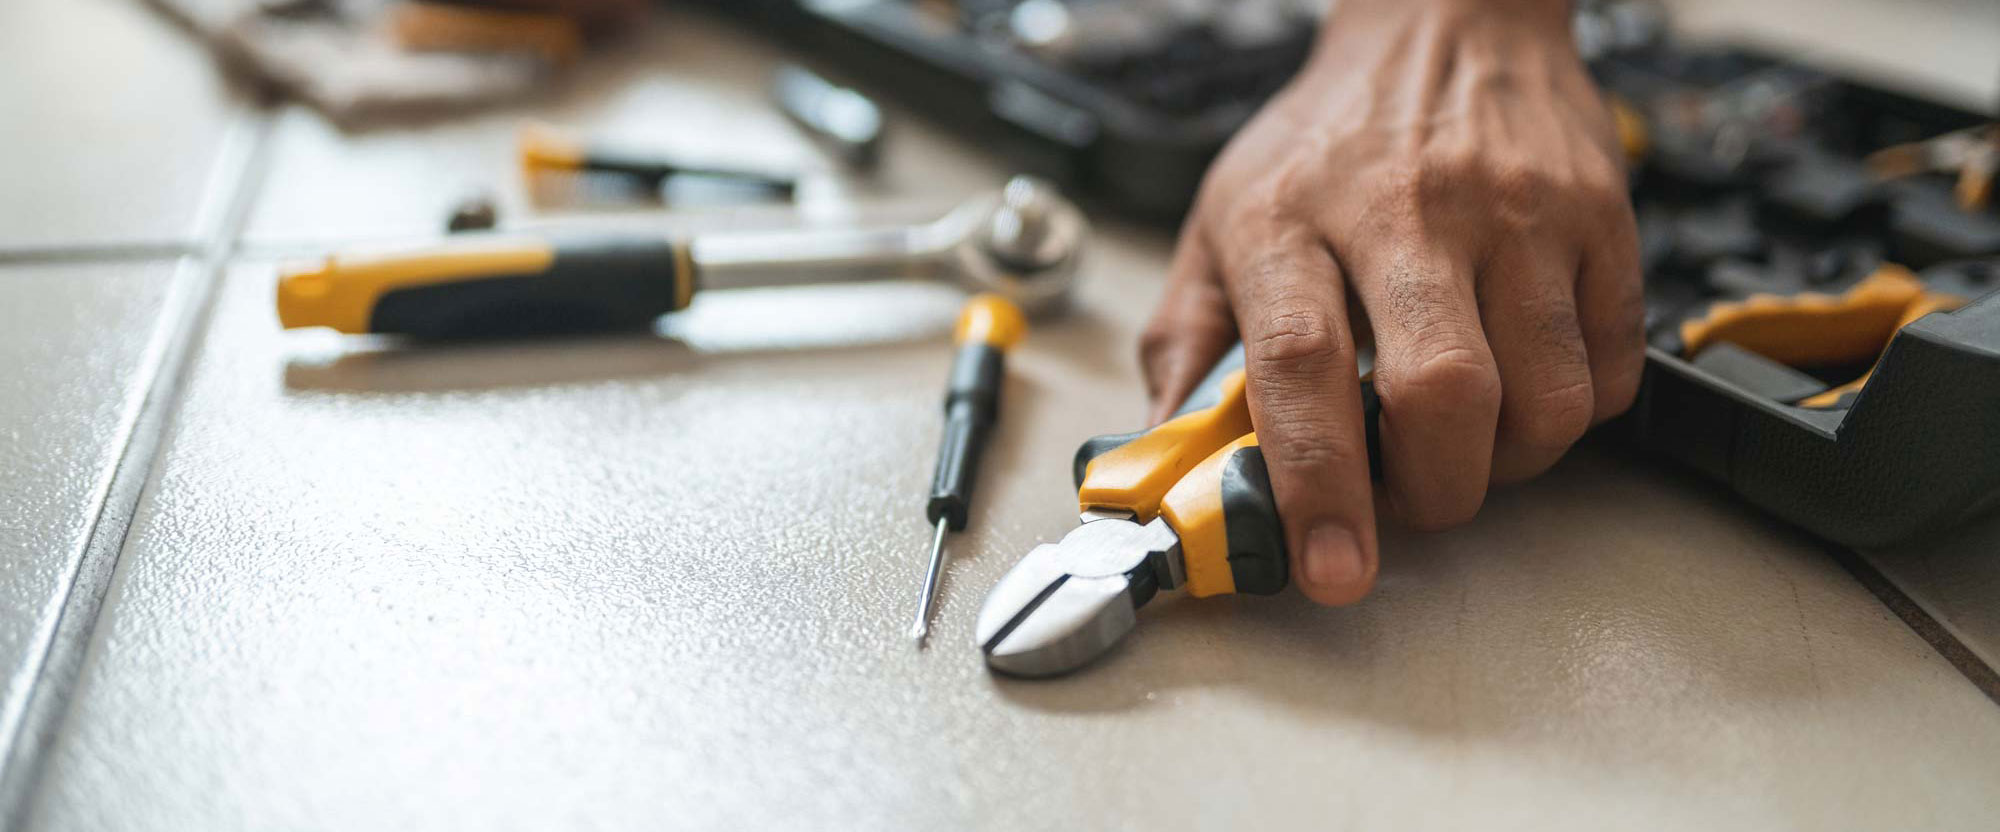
114 120
74 344
664 582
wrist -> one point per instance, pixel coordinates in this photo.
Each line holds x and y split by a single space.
1524 18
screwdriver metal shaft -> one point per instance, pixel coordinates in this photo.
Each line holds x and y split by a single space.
922 629
989 326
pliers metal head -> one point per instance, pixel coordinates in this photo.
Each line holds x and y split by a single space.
1066 603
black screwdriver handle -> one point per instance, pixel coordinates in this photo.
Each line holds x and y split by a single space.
494 288
989 326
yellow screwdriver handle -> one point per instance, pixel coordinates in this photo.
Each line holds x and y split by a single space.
991 320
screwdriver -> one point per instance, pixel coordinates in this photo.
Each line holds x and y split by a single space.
988 327
542 148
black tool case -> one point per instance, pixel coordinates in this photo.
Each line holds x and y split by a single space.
1917 451
1129 131
1798 210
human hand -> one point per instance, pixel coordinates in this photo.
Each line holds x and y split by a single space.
1443 173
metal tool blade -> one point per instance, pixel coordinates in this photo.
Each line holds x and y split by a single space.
1067 603
1077 622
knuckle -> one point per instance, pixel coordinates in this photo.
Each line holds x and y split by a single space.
1608 207
1618 385
1615 396
1297 339
1400 188
1628 323
1553 418
1448 372
1602 181
1520 181
1604 163
1261 206
1618 352
1434 511
1295 182
1619 326
1521 196
1405 198
1310 441
1600 198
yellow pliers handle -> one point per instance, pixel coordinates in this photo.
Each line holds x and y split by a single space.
1204 472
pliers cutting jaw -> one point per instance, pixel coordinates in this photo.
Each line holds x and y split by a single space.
1067 603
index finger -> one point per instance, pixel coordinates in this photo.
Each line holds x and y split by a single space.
1305 401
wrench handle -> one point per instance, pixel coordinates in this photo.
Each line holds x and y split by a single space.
494 288
764 259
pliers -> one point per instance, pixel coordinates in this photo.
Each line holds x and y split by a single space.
1185 504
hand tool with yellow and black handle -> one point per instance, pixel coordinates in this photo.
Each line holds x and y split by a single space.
1866 417
987 329
1187 504
1023 242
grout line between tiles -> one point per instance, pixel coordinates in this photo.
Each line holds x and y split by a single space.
1920 621
96 253
1935 634
39 693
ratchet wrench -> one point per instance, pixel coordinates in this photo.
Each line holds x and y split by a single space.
1023 242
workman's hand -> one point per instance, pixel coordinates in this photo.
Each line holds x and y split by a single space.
1443 173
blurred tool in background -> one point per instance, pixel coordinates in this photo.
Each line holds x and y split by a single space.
845 123
476 212
361 62
1972 155
464 28
544 151
988 328
1023 242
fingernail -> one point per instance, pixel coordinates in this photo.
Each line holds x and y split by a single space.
1332 557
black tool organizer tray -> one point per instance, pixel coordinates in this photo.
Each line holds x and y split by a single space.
1798 210
1788 207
